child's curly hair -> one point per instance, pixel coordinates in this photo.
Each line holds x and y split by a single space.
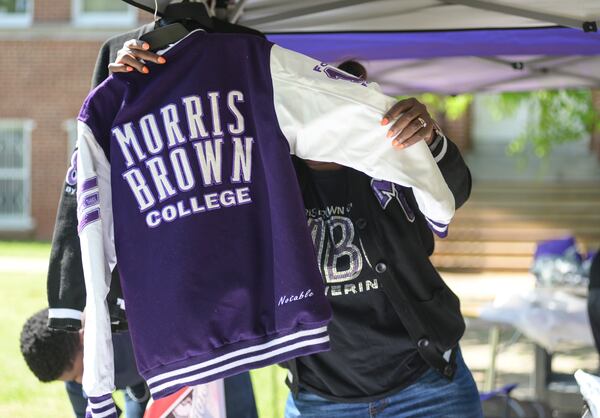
47 352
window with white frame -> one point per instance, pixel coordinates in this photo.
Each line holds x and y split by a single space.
103 13
15 174
15 13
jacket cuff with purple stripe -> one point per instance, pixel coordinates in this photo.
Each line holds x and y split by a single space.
439 146
101 407
438 228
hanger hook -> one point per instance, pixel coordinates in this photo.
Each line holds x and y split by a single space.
155 9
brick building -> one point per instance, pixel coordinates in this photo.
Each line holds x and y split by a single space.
49 49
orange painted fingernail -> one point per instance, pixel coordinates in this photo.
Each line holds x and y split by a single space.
161 60
145 45
390 134
129 69
385 121
145 70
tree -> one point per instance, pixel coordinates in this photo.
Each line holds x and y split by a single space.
556 116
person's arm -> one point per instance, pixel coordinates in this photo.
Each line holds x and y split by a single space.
78 401
453 168
328 115
413 124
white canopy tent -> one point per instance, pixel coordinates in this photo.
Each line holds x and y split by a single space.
410 15
440 46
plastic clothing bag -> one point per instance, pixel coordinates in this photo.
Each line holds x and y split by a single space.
552 318
203 401
558 263
589 385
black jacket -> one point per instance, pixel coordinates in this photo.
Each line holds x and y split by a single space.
65 282
398 243
593 302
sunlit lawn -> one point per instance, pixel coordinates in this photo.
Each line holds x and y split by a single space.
23 292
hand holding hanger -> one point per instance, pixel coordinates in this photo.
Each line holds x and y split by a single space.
133 56
178 19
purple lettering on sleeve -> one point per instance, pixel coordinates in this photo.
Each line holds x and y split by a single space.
337 74
71 178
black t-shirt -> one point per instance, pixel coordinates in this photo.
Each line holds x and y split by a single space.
371 354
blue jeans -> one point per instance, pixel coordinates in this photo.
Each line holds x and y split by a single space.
431 396
136 398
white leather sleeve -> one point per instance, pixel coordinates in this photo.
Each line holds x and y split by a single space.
95 226
326 117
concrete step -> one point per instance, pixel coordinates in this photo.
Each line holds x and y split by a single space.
489 248
536 191
528 206
500 232
536 187
469 263
473 210
575 224
535 197
495 215
484 248
497 230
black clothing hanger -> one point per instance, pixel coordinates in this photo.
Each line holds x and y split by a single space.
163 36
178 20
189 10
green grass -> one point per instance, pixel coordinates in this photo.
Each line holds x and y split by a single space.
270 391
21 394
24 249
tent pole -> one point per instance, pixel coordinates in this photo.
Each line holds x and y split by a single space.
534 65
586 26
590 78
